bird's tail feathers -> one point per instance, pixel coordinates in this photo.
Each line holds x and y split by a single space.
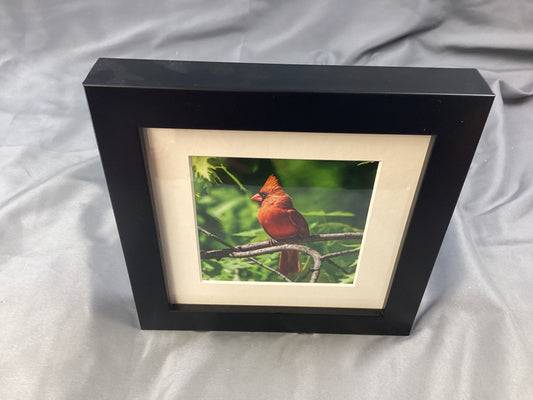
289 262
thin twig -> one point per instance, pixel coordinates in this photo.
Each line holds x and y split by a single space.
215 237
331 262
340 253
317 258
211 235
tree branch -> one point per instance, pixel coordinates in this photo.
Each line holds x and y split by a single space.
317 258
340 253
215 237
218 254
267 247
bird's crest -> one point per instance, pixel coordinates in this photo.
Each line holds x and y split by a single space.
271 185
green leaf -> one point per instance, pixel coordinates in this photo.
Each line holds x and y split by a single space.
323 277
321 213
223 167
250 233
204 169
222 208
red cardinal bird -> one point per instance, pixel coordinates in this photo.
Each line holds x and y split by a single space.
280 220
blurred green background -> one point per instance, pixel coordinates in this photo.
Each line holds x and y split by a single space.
333 196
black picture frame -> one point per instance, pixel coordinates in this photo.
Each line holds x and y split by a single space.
125 95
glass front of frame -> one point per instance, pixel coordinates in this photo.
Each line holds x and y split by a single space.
282 218
247 207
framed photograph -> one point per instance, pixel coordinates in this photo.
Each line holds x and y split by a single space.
283 197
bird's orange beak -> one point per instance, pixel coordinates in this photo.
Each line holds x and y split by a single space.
257 197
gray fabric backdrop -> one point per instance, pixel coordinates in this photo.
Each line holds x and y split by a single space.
68 325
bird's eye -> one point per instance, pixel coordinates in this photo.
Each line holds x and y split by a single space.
262 194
